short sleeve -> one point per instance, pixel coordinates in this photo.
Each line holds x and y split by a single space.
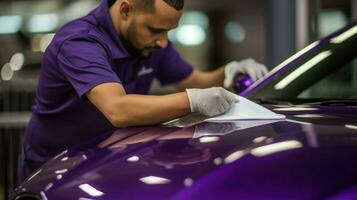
85 64
172 68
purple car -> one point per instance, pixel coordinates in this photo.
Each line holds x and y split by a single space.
312 154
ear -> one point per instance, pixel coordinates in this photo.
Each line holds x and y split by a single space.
125 9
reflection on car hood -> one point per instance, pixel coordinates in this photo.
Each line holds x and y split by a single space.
310 155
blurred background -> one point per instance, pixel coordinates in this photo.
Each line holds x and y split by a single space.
211 33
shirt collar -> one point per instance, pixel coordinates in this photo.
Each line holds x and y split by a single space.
103 17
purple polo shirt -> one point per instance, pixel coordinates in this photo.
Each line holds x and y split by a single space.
85 53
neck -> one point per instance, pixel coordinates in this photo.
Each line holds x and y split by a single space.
114 15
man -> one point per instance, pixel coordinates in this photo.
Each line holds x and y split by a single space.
97 71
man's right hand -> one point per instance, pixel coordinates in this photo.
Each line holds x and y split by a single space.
212 101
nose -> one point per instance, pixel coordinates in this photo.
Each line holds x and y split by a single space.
162 41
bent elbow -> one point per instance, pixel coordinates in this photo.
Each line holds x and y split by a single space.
120 124
118 121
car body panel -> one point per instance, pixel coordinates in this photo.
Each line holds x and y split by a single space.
310 155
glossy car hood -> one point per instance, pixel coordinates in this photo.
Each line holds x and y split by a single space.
310 155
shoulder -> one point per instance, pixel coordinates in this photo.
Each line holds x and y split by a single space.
83 31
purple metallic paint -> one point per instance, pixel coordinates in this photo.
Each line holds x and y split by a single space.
350 193
321 168
242 82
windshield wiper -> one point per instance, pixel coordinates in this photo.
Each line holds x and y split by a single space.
343 102
272 101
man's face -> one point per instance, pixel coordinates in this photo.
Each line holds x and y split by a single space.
146 32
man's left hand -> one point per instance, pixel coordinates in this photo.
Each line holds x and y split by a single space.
247 66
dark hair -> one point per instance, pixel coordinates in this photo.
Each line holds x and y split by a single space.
177 4
149 5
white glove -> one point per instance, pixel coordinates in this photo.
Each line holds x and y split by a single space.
212 101
247 66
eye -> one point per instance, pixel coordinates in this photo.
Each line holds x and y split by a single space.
156 30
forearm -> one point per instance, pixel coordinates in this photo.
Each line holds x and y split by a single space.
211 79
203 79
136 110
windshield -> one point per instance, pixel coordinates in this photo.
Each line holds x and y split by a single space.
328 71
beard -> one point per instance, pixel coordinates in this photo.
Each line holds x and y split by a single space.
130 40
128 43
